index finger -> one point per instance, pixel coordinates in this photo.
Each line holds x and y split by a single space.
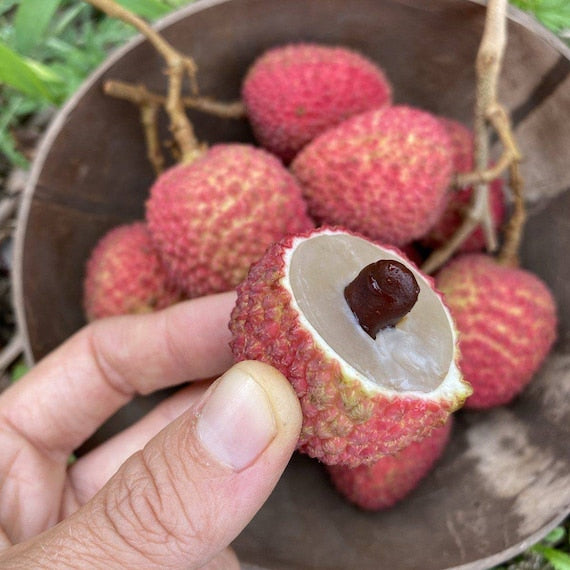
64 399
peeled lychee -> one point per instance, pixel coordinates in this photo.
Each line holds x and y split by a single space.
124 275
384 483
506 318
383 173
362 398
459 200
211 218
294 92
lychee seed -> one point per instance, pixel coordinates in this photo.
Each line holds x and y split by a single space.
381 295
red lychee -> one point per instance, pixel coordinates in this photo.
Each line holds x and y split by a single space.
458 200
380 485
211 218
362 397
294 92
506 318
124 275
383 173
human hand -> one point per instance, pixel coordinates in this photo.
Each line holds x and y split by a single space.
171 491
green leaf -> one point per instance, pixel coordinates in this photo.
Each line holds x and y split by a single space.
23 75
18 370
558 559
31 22
149 9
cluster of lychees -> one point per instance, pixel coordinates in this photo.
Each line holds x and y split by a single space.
338 165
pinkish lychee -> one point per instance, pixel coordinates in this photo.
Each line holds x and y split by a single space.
382 484
124 275
459 199
292 93
383 173
362 397
506 318
211 218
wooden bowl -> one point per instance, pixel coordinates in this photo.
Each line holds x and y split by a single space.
504 481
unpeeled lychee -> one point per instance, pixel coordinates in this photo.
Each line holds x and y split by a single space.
383 173
294 92
506 318
382 484
459 200
124 275
211 218
362 398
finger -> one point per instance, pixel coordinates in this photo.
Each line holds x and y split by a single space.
68 395
92 471
179 502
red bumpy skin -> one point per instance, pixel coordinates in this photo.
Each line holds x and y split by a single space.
458 200
382 484
295 92
124 275
212 218
345 422
506 318
383 173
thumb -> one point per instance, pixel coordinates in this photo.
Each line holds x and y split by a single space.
181 500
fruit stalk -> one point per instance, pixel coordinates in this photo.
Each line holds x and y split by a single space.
178 66
488 113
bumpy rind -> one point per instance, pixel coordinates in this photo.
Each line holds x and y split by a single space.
214 217
293 93
507 322
382 484
124 275
383 173
347 419
458 200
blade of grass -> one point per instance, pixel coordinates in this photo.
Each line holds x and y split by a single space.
31 22
149 9
558 559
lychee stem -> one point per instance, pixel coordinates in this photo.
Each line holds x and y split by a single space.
178 66
487 112
381 295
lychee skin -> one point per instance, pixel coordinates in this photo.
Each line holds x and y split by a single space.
343 422
294 92
506 318
380 485
458 200
212 218
124 275
383 173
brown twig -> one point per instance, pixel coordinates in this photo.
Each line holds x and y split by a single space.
139 94
179 66
487 112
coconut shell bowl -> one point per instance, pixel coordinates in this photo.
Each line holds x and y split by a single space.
504 479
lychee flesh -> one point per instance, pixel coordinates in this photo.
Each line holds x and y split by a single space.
458 200
294 92
212 218
383 173
124 275
507 320
361 398
382 484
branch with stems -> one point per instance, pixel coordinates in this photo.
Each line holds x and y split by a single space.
179 66
488 114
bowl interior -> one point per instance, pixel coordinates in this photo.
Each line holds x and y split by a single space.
506 469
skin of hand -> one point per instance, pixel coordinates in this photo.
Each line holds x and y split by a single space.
172 490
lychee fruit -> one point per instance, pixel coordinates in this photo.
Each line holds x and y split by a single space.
383 173
124 275
380 485
506 318
294 92
458 200
311 307
211 218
